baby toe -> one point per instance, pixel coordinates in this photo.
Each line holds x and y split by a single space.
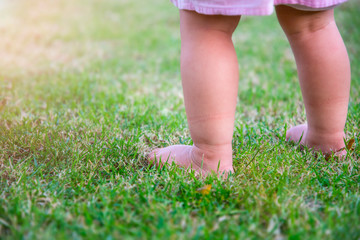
152 155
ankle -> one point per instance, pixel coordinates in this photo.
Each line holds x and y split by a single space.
326 142
210 155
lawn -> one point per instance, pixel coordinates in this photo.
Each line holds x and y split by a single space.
88 88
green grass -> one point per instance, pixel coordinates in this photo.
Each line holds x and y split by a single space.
88 88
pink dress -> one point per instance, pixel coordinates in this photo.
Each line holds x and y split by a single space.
250 7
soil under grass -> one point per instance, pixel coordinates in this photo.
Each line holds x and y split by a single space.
88 88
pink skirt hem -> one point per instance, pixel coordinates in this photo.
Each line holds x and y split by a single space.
260 8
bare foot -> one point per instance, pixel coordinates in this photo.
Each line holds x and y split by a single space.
191 157
297 134
327 144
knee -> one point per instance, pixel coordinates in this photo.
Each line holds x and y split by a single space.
296 22
191 21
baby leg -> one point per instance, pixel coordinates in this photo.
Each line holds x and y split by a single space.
209 71
324 75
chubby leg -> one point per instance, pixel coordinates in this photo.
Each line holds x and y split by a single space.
324 75
209 71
